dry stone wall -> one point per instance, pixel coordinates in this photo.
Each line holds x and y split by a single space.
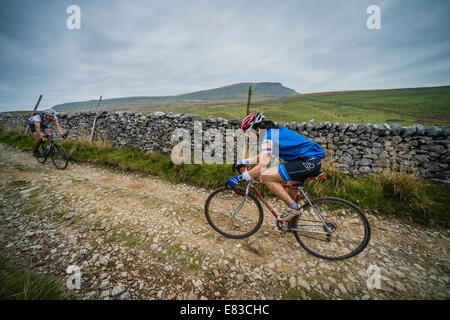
354 148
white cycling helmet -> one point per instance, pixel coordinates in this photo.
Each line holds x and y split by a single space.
50 112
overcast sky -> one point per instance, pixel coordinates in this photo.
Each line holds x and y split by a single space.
153 48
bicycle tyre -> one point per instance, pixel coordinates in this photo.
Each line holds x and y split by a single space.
43 153
222 191
59 151
333 201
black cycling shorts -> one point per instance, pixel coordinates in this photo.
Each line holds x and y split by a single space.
300 170
33 127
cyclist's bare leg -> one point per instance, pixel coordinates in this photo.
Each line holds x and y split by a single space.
38 137
272 179
292 192
37 140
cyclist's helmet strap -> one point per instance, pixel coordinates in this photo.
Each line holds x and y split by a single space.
250 120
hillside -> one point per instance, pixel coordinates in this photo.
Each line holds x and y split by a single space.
234 92
427 106
240 92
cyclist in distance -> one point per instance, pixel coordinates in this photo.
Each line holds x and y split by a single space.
41 121
302 159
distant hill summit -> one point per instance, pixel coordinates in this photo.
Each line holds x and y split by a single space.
239 91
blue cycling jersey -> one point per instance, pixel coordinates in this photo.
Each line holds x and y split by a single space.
290 145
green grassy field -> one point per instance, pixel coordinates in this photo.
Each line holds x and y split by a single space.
427 106
401 194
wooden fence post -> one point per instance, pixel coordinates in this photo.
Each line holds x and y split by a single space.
249 98
35 107
95 119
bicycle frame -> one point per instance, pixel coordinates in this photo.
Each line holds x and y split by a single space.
50 139
297 197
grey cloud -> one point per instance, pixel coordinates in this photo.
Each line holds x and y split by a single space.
172 47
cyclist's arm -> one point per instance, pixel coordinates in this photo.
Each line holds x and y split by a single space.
248 161
58 127
263 159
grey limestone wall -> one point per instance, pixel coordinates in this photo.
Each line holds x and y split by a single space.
354 148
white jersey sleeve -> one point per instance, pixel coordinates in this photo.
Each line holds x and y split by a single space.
34 119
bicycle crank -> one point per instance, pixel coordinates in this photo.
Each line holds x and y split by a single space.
285 227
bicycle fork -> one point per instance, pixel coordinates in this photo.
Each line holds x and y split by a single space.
239 207
324 223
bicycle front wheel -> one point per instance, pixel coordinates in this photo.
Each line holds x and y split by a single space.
346 233
59 157
233 214
41 156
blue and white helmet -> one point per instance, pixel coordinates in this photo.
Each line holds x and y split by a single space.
50 112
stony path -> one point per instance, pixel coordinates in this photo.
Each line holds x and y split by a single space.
143 238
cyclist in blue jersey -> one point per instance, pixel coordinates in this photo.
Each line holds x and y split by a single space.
302 159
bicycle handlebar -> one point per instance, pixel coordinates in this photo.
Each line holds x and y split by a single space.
51 136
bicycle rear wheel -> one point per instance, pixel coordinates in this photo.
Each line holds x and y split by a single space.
350 229
59 157
233 214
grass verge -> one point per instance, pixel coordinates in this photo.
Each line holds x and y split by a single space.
394 193
17 283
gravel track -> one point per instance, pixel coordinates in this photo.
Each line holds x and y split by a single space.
137 237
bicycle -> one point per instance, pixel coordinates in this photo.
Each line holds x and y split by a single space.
328 228
48 147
